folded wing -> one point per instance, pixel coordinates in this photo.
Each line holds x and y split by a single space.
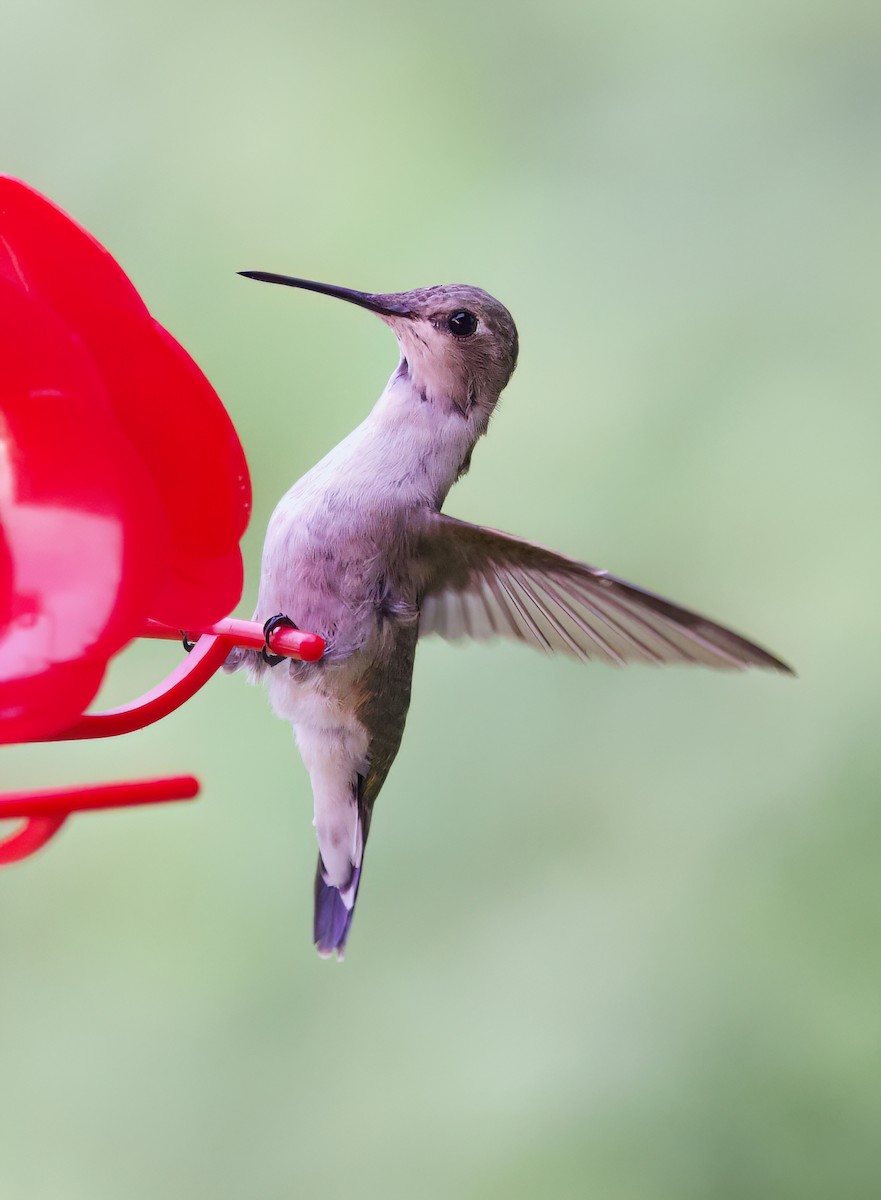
481 583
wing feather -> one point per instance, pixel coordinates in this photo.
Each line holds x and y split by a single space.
480 583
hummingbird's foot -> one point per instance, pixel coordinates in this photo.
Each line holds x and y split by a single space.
187 644
279 621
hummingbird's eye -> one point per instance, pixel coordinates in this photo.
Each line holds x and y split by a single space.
462 324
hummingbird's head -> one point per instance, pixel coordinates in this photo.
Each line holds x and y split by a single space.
458 343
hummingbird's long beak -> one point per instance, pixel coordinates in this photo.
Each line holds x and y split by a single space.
384 305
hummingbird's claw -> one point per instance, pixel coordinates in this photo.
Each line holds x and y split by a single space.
279 621
187 644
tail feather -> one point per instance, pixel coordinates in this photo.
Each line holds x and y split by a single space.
334 908
342 836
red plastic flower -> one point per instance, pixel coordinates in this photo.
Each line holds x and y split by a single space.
123 486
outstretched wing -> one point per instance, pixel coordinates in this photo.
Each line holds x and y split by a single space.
481 583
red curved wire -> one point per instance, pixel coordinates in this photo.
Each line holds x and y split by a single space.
189 676
45 812
32 836
185 680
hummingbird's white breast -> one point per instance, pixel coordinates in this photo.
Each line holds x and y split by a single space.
338 543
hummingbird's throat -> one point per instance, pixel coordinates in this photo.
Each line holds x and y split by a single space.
438 378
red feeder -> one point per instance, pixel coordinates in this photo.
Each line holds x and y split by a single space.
110 526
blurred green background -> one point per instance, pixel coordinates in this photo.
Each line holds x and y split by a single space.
618 934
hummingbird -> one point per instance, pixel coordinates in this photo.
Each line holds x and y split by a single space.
359 551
